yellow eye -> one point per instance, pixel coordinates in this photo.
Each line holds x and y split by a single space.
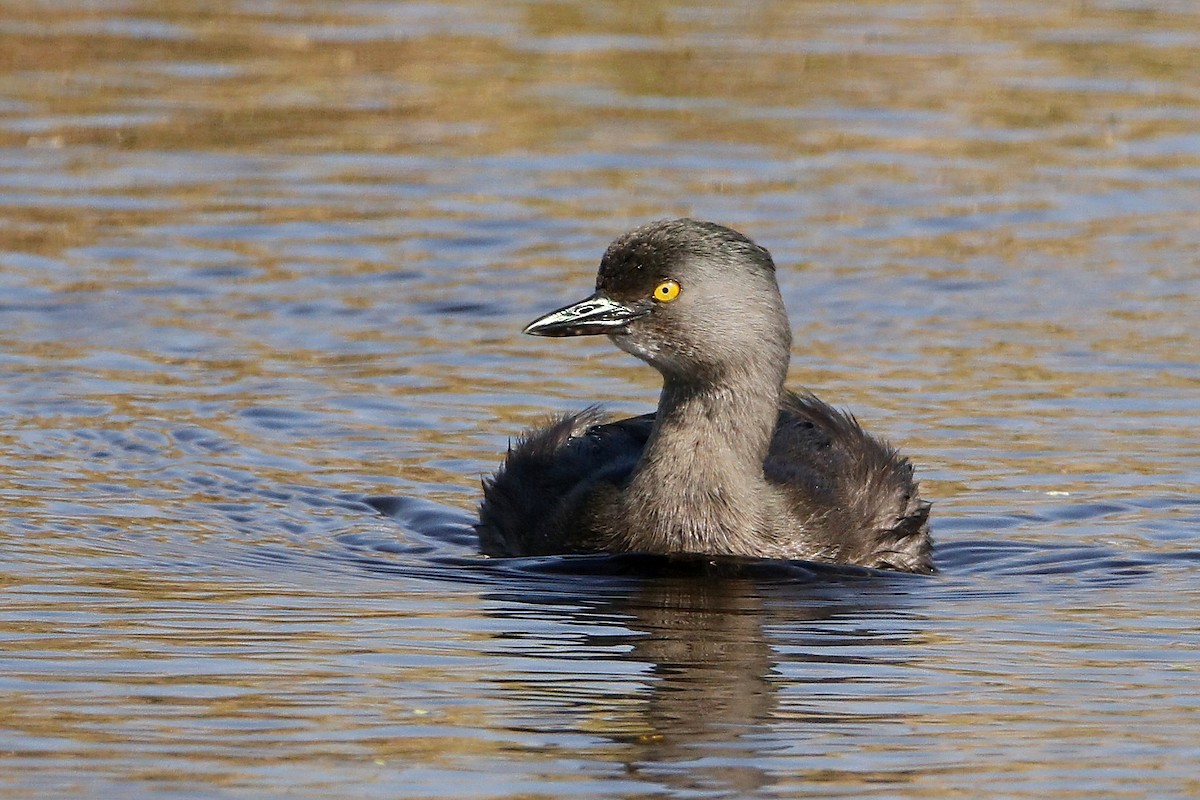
666 291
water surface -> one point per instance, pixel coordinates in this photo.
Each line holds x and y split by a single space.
262 262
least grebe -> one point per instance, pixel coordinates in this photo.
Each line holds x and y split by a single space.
731 463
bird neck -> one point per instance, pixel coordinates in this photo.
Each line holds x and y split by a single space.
732 421
699 486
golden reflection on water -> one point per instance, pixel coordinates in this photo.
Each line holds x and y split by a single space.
259 260
1020 111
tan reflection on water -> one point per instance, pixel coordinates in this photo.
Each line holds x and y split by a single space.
264 254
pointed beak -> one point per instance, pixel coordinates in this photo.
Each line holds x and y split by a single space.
596 314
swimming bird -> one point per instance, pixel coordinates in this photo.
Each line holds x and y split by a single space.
731 463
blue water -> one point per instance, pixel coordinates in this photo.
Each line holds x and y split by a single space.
262 263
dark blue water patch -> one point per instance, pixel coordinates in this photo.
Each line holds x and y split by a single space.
1081 559
1167 502
38 307
279 419
948 285
476 241
227 272
1183 557
974 524
193 438
1050 512
397 276
464 308
1083 511
1089 563
430 519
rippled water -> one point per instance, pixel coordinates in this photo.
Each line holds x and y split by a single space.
261 262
